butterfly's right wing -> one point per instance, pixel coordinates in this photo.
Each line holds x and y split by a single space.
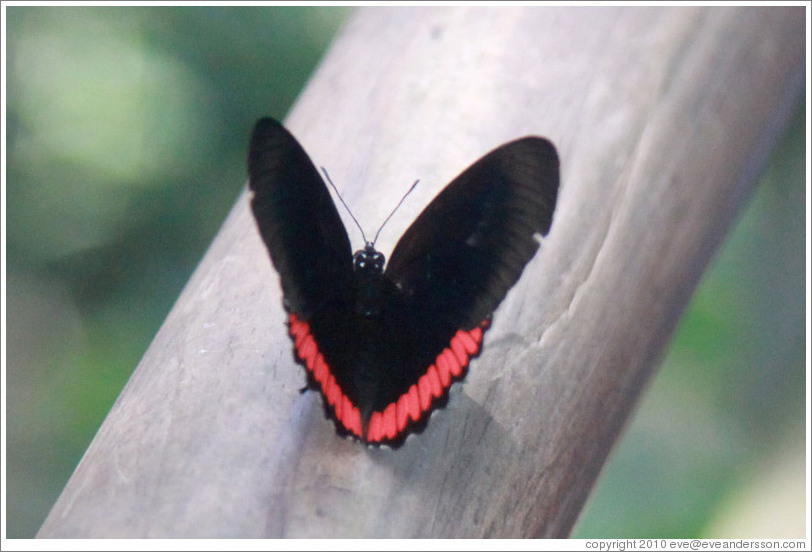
298 221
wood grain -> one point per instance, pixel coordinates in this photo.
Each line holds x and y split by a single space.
663 118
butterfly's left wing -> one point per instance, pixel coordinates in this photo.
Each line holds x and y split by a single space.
463 253
453 267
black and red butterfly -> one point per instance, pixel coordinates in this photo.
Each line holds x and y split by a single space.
384 346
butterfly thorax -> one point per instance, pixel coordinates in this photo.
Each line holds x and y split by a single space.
368 268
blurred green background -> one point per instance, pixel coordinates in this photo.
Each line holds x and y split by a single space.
126 138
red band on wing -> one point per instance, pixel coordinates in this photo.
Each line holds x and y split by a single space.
387 424
307 349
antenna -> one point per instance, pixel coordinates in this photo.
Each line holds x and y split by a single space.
393 210
356 220
345 205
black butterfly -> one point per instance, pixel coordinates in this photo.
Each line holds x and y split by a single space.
384 346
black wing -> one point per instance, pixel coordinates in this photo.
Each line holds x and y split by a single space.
459 258
298 220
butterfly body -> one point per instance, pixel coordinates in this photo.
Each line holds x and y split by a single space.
383 342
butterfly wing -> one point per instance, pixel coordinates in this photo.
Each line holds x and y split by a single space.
452 268
463 253
310 250
298 220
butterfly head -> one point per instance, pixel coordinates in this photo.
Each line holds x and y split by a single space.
368 261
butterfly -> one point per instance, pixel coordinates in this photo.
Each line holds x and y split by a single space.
383 342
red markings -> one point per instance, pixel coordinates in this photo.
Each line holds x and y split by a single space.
374 429
453 364
390 428
410 406
434 382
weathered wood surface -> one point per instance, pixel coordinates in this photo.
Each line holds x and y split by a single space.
663 119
